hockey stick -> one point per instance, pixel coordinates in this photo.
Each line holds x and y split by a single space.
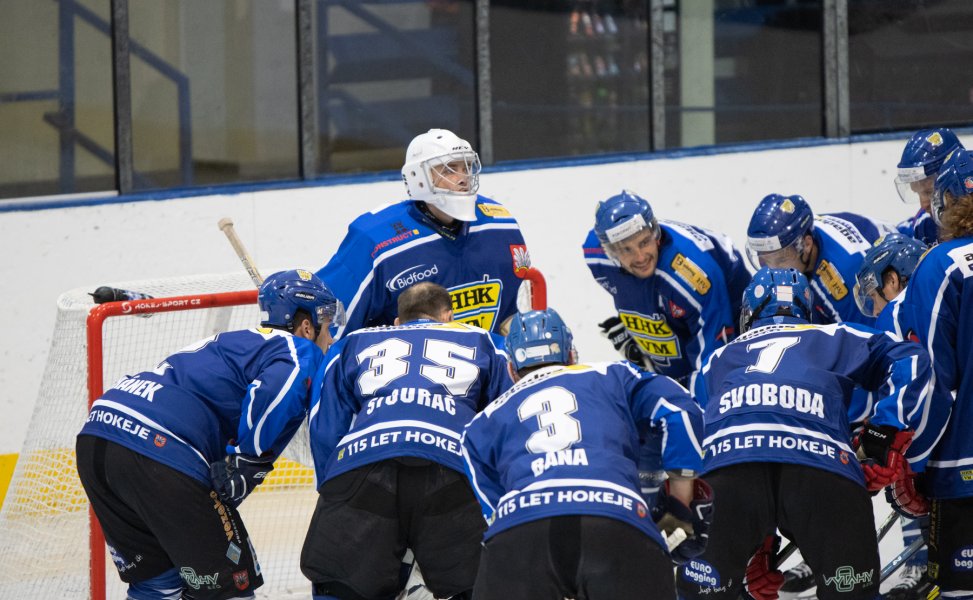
226 226
900 559
880 533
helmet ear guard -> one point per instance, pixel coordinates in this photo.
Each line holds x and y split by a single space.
285 293
439 155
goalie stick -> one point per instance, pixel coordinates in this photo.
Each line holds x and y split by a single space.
226 226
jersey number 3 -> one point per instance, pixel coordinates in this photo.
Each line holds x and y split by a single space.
558 430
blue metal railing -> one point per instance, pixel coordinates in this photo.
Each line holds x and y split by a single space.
64 119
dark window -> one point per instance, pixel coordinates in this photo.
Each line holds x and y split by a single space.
214 92
910 63
56 132
387 71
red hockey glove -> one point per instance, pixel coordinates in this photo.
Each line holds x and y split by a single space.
905 498
883 448
764 581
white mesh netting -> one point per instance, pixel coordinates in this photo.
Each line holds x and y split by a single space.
44 518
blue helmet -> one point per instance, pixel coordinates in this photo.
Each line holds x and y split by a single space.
539 337
779 223
285 292
922 158
622 216
775 293
955 178
895 251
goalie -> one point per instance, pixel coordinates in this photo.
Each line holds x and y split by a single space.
166 455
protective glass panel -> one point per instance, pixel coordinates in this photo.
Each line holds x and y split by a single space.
214 92
909 64
742 70
56 132
386 71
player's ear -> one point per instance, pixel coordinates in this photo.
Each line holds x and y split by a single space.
513 374
396 322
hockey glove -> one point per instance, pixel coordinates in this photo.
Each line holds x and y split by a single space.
905 497
613 329
670 514
763 580
237 475
881 449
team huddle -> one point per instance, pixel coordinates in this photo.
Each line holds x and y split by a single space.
447 425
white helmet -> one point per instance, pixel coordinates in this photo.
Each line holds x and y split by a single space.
436 157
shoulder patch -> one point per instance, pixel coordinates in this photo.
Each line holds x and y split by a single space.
494 210
832 280
265 330
962 257
691 274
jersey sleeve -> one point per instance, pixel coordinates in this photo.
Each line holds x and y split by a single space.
499 378
899 371
660 401
276 400
479 456
350 276
332 411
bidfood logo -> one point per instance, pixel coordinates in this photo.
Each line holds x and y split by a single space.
410 276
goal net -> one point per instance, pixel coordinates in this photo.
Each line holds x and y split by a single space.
45 535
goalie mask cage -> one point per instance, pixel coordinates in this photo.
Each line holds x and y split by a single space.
48 547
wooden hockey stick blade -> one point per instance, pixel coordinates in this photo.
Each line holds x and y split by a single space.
226 226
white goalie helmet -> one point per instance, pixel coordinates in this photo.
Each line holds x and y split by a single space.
444 171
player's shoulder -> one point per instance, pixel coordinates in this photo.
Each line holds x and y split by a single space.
952 256
491 211
389 218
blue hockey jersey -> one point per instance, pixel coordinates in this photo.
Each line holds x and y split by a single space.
937 311
690 306
389 249
239 392
842 240
921 227
565 440
780 393
403 391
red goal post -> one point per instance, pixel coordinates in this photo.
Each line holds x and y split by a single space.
96 387
50 545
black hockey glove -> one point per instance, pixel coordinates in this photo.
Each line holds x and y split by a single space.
613 329
670 514
237 475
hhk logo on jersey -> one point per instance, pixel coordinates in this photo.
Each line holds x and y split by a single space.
653 334
477 303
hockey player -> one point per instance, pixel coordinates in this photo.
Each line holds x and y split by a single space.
784 234
884 274
385 440
675 286
937 310
445 233
676 290
553 462
166 455
777 443
921 160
